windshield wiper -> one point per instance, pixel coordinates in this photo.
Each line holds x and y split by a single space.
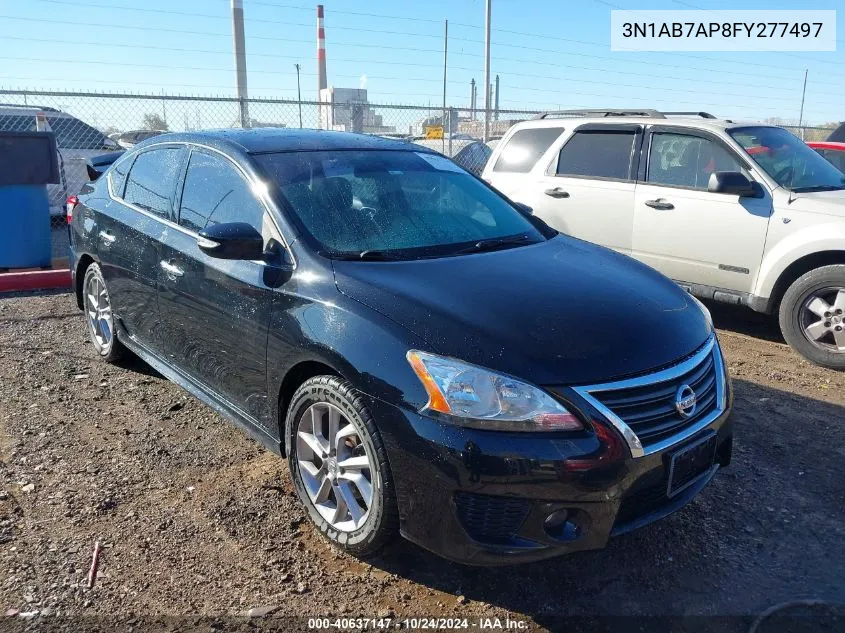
819 188
493 244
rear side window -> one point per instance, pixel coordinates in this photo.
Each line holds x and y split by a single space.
117 176
152 180
74 134
524 148
215 193
597 154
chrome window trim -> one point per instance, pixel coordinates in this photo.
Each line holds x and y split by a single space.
711 347
169 223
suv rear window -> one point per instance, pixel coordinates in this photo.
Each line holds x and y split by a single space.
597 154
525 147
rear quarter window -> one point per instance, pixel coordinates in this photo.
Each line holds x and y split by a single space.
524 149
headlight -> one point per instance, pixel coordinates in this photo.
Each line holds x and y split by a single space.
705 311
474 396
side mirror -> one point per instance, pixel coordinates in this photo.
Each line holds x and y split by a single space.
524 208
232 240
733 182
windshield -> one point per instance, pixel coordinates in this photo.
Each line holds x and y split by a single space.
394 204
788 160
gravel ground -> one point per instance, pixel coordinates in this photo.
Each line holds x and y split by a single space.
197 520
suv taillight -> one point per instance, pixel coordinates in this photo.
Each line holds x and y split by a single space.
72 201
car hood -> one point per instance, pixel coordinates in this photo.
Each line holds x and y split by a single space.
560 312
829 202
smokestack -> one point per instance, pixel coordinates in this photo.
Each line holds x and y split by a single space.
496 106
321 52
240 59
472 98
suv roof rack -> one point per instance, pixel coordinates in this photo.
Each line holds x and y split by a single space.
621 112
27 106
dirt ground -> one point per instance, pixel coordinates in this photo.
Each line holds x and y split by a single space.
197 520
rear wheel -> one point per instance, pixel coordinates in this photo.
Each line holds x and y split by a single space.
812 316
98 315
339 466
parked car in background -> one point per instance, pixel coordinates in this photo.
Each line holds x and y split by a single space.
833 151
76 140
742 213
431 359
838 135
473 157
130 139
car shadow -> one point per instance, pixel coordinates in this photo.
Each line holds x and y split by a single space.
767 530
744 320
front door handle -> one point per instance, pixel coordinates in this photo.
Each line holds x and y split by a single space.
660 204
557 192
172 271
107 237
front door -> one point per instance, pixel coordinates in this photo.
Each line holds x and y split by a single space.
216 311
589 190
688 233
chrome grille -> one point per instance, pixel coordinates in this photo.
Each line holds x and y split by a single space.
643 408
650 410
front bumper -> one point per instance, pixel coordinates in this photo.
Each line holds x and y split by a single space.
483 497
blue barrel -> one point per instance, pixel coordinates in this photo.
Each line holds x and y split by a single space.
24 226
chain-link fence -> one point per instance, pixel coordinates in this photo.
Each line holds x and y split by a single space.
88 124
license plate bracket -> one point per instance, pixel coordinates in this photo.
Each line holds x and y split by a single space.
690 462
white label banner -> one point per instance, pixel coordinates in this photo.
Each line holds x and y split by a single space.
759 30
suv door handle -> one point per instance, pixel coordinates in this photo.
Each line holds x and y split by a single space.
557 192
660 204
107 237
171 270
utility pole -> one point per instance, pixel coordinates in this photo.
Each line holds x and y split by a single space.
445 55
299 94
496 106
240 59
472 99
803 94
487 74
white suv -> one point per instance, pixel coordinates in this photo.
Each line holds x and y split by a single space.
741 213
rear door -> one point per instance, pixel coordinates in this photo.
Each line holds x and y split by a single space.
587 190
216 312
686 232
142 188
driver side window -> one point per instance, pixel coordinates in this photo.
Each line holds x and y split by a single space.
681 160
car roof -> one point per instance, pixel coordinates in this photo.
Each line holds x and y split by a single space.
692 122
270 140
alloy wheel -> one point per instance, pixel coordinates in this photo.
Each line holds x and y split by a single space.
98 312
335 466
822 319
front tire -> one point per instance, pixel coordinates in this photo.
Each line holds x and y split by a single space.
339 466
96 304
812 316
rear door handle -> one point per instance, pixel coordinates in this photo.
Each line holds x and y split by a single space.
107 237
660 204
172 271
557 192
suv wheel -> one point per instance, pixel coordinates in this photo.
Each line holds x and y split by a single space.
339 466
98 315
812 316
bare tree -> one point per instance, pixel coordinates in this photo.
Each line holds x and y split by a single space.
153 121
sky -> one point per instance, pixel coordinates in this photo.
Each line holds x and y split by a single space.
549 54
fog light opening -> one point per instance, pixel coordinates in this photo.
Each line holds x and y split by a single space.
559 526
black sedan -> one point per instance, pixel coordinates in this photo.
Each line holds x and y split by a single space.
431 359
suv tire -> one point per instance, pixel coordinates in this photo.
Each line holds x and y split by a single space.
812 314
98 316
321 462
